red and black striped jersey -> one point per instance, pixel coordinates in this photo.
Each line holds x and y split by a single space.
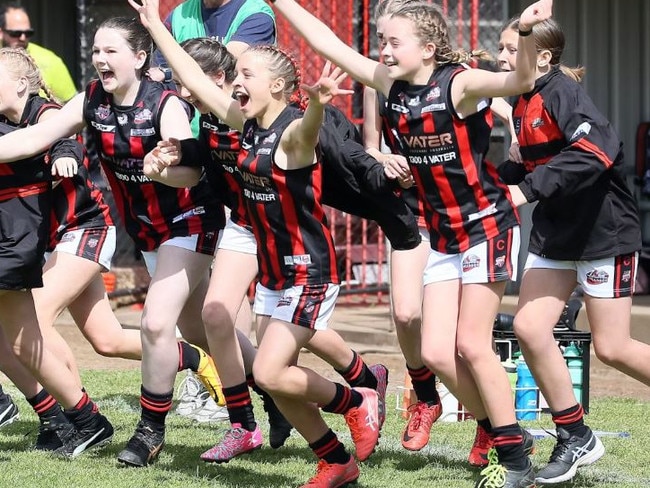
295 246
24 208
24 178
76 202
464 201
224 144
152 212
409 195
28 176
574 169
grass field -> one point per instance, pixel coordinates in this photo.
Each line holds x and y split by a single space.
441 464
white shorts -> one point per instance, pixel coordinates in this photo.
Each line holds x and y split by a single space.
97 245
602 278
308 306
191 243
490 261
234 237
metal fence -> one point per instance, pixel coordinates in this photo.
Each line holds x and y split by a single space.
363 256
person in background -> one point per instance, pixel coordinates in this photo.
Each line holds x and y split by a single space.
16 31
236 24
585 231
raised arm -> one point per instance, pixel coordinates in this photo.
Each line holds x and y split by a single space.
327 44
300 138
473 84
35 139
185 68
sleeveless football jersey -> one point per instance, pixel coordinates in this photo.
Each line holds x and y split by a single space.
464 201
295 246
152 212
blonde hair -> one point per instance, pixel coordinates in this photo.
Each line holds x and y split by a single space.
387 7
431 26
20 64
282 65
549 37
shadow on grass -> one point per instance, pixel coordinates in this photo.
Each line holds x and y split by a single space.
17 437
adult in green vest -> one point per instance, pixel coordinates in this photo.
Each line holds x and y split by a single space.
235 23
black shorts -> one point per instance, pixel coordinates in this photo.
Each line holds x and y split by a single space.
23 239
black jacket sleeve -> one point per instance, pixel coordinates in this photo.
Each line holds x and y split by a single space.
512 173
67 148
592 147
194 153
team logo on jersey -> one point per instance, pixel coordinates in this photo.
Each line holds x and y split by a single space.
264 150
597 277
92 243
122 119
434 107
143 116
103 111
500 261
433 94
471 261
537 122
297 260
270 139
149 131
102 127
489 210
414 102
399 108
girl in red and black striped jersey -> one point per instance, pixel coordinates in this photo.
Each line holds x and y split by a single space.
406 293
439 111
281 181
25 203
127 115
585 230
235 265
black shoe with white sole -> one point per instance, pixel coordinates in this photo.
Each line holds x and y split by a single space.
98 433
570 452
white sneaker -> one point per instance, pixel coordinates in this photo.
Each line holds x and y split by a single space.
187 393
210 411
196 403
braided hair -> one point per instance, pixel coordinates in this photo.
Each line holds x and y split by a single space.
20 64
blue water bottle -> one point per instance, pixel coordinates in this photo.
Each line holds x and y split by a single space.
525 393
573 358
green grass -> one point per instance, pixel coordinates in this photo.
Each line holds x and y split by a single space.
442 463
